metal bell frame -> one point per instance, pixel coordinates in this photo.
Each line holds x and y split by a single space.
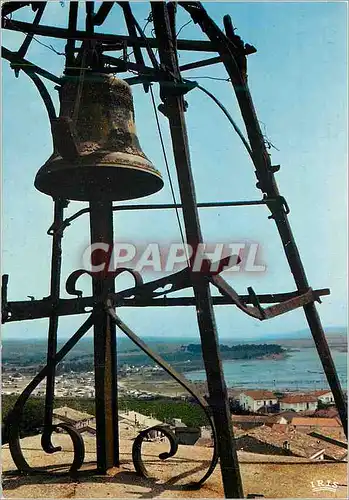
232 52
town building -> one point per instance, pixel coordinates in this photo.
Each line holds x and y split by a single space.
248 421
138 420
327 413
327 426
288 442
325 396
282 418
298 402
77 419
254 400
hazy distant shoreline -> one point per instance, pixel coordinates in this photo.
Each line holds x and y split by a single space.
298 367
300 370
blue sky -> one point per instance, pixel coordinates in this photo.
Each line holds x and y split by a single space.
298 83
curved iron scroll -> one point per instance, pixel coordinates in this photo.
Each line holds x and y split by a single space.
17 412
139 466
137 447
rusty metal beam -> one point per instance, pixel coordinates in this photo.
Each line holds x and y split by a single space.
21 63
35 309
102 13
53 32
27 41
56 264
173 108
107 428
201 64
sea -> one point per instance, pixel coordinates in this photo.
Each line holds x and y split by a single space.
300 370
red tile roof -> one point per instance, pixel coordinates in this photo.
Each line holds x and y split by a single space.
260 395
321 393
300 444
287 415
327 413
280 427
299 398
249 418
315 422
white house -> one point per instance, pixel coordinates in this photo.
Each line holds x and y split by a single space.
253 400
324 396
298 402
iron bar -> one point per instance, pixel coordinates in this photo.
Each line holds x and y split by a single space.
89 17
25 45
268 184
139 66
200 64
102 13
35 309
9 7
21 63
4 301
56 264
16 413
70 45
133 27
167 206
174 109
130 23
234 60
53 32
180 379
101 226
211 204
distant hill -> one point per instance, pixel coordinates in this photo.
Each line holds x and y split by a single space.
305 333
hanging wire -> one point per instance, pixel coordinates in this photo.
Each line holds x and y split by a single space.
184 25
267 141
168 173
227 114
49 47
149 20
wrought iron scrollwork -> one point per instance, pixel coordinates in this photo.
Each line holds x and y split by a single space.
136 452
178 280
78 444
17 412
137 447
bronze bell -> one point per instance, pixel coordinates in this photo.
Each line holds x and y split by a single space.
97 155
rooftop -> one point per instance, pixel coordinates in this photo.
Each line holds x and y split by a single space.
327 413
138 419
300 444
299 398
275 418
317 422
249 418
271 476
71 414
321 392
259 395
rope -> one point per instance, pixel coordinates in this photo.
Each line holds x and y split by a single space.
168 173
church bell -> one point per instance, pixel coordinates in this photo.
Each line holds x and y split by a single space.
97 155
